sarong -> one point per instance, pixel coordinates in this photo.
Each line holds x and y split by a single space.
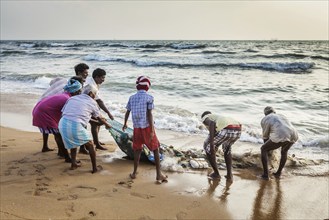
74 134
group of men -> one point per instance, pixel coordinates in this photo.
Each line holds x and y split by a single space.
49 110
66 115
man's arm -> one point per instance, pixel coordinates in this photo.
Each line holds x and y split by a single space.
150 121
266 129
212 129
126 119
103 120
104 108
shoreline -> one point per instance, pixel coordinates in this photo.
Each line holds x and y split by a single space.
37 185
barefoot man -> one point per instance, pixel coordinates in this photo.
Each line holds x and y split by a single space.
223 131
76 114
277 132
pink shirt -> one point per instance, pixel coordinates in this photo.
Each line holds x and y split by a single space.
47 112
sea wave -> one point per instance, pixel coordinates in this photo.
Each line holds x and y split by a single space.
322 142
292 67
33 77
40 44
291 55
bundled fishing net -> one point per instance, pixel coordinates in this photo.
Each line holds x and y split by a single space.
124 140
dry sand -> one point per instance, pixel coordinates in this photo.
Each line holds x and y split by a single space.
37 185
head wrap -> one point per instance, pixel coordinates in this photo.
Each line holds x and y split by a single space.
268 110
72 86
143 83
90 88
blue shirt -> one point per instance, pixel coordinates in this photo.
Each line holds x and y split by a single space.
138 104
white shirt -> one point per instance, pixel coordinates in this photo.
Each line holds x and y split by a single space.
277 128
80 108
90 81
56 87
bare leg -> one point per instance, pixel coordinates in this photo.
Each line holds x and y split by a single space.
159 176
283 160
45 147
228 162
94 131
61 148
137 156
267 146
83 150
74 164
92 153
212 161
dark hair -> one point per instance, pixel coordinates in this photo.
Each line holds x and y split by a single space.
79 78
80 68
98 72
205 113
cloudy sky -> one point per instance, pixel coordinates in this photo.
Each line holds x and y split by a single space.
167 20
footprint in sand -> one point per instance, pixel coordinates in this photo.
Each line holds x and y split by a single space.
92 213
41 185
181 215
69 197
78 189
70 210
143 196
194 204
127 184
145 217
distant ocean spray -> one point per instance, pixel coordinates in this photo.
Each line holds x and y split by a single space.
235 78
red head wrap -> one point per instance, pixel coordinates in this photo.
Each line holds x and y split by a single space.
143 83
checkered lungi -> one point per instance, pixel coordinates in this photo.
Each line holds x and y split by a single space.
49 130
225 137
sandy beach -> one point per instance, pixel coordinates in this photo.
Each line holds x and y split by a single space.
37 185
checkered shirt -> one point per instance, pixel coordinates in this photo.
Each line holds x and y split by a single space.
138 104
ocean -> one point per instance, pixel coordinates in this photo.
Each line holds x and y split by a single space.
233 78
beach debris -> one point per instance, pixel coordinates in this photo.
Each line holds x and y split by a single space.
127 183
173 159
199 163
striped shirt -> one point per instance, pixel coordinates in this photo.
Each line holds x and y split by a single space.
138 104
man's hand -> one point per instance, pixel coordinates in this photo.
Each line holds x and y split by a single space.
110 116
124 127
108 126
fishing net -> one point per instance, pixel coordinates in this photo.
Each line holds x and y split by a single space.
125 143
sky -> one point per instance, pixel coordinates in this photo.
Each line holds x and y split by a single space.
164 20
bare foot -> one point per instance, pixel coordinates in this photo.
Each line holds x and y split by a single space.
162 179
75 166
101 148
132 175
264 177
98 168
214 176
101 143
46 149
277 175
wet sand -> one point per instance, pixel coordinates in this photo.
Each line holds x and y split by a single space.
37 185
